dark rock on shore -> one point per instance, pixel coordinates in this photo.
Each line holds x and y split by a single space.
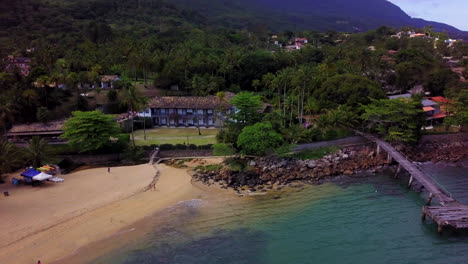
435 148
269 171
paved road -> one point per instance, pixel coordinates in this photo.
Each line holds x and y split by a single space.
338 142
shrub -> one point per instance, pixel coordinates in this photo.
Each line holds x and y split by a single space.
314 153
222 149
208 168
258 139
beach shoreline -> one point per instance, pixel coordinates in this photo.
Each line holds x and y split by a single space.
92 221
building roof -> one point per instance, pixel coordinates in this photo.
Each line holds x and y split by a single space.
428 108
440 115
109 78
458 70
13 59
50 128
439 99
426 102
197 102
407 95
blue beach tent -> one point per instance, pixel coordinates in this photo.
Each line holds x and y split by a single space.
30 173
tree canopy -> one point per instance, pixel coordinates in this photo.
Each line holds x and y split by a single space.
90 131
248 106
395 119
258 139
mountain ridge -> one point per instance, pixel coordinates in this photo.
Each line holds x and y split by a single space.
340 15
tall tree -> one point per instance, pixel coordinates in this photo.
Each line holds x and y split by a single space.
248 106
90 131
396 120
38 151
132 98
11 157
7 111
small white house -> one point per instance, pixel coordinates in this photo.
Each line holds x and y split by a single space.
107 81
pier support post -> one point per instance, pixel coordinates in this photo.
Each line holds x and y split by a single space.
397 171
389 158
378 149
423 217
430 199
410 181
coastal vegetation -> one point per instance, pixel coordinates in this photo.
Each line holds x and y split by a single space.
91 131
337 82
258 139
313 154
397 120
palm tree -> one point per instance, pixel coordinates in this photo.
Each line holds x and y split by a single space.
10 157
132 98
38 151
7 111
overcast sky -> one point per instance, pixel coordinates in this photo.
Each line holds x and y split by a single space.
452 12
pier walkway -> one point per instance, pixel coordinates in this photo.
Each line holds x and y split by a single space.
450 213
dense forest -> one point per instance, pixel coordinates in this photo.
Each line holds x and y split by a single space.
160 45
338 15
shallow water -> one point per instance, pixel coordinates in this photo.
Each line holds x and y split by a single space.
374 219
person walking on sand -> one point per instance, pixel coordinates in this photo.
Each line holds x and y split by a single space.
108 170
38 262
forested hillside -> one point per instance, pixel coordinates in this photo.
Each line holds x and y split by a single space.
339 15
316 82
74 42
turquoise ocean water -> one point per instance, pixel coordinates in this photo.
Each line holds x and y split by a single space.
373 219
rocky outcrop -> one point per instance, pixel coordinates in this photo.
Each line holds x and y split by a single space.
262 173
435 148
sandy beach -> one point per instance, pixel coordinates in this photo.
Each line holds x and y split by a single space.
54 220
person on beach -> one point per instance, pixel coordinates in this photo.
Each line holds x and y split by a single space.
108 169
38 262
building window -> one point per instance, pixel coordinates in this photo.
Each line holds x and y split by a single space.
171 110
209 111
189 111
171 121
200 111
163 111
163 121
180 111
210 121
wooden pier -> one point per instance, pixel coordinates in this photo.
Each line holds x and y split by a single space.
454 216
450 213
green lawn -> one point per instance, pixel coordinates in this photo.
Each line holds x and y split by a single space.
176 136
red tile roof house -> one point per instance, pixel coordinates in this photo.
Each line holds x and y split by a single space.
23 64
435 108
